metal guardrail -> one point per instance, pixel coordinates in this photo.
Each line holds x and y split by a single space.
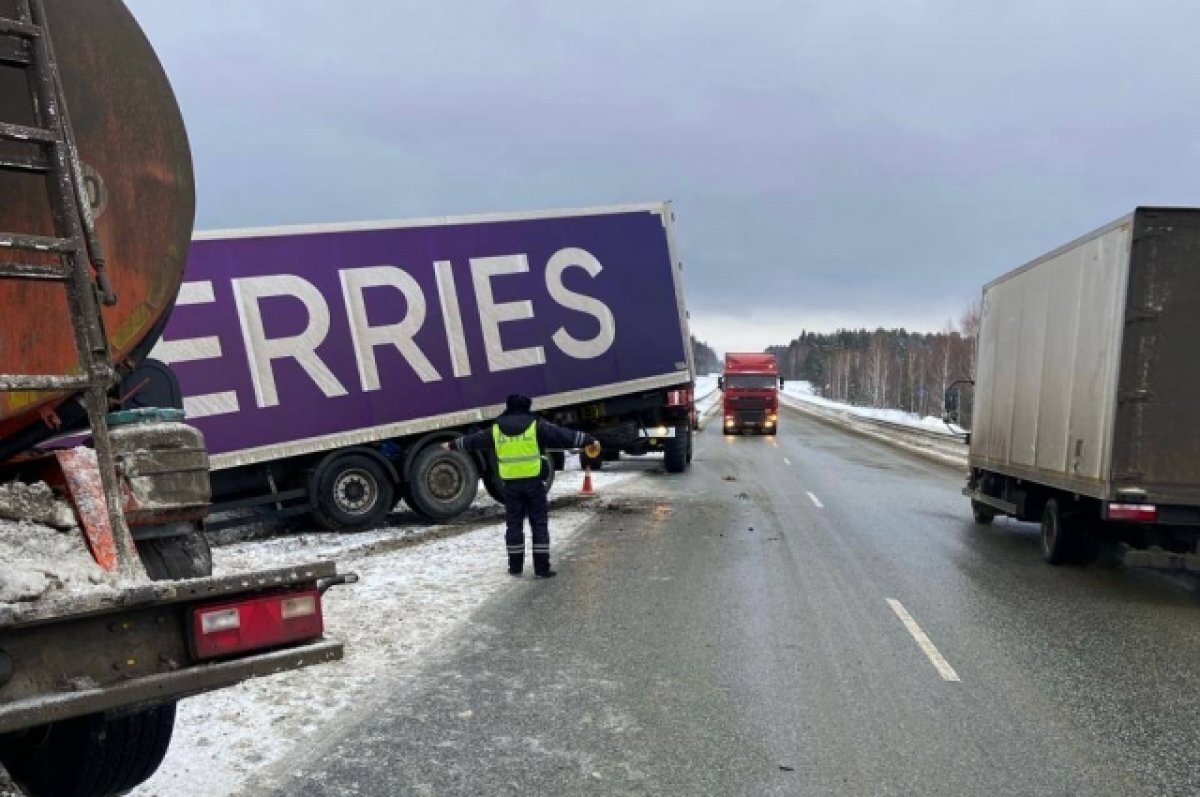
936 434
942 443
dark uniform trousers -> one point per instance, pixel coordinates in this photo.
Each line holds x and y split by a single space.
527 498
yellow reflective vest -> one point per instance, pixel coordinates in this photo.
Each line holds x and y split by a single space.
519 456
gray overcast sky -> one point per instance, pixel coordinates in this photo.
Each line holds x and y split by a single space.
832 163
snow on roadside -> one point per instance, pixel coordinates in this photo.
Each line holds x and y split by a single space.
408 601
802 391
40 561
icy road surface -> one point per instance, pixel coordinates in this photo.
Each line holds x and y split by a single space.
417 584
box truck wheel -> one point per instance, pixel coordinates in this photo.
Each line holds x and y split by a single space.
110 752
675 450
1063 539
442 484
982 513
351 492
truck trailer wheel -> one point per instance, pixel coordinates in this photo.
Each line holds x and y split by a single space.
1063 540
351 492
442 484
111 752
675 450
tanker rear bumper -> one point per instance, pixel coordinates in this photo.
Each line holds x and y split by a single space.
164 686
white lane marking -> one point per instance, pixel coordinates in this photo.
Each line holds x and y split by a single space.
788 461
927 647
816 501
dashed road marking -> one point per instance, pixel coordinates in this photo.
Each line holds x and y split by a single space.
816 501
927 647
786 460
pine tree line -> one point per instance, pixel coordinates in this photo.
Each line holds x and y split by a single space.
705 359
891 368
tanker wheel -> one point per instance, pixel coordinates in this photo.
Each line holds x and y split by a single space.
675 450
107 753
442 484
352 492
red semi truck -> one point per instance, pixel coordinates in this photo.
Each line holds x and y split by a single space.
751 384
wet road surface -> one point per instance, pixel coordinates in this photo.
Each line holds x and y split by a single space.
808 614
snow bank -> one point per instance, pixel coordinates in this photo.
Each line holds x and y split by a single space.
38 560
803 391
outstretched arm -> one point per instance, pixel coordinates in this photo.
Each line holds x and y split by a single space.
552 436
476 441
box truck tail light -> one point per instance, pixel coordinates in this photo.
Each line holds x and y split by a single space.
263 621
1138 513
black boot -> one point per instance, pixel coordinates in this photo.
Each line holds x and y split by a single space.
516 563
541 566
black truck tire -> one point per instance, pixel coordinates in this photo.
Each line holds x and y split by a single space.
675 450
1063 539
109 753
96 755
352 492
441 483
982 513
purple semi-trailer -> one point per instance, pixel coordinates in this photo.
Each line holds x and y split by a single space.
325 364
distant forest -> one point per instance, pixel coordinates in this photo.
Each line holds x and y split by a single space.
885 368
706 360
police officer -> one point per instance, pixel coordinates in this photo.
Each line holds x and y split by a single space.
518 439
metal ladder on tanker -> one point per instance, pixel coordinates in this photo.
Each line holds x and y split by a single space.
53 154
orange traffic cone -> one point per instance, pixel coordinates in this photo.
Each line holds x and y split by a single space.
587 488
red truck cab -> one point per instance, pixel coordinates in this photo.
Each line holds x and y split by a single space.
751 386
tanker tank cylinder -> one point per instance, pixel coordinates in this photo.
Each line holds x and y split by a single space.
137 177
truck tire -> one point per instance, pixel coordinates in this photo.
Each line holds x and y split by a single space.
442 484
108 753
675 450
96 755
352 492
982 513
1062 538
559 459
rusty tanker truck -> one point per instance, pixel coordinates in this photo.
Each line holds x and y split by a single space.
96 211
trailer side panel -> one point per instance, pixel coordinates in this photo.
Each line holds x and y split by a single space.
1049 346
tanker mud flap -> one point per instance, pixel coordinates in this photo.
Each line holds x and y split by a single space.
1159 559
1007 507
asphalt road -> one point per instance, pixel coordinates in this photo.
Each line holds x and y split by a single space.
739 631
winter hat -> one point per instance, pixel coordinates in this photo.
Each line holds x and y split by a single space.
518 403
